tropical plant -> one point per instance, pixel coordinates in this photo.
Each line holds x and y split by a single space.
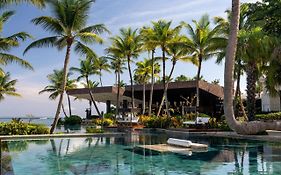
252 127
164 34
182 78
68 23
10 42
7 86
54 88
203 42
128 45
101 64
85 70
38 3
142 76
91 85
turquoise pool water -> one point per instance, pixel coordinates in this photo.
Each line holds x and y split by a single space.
119 156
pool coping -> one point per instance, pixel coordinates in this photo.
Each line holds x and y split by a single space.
229 134
73 135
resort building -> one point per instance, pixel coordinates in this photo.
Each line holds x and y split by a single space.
180 96
270 103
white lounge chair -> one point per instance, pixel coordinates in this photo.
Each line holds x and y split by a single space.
198 121
129 119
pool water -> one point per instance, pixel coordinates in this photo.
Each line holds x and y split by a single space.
119 156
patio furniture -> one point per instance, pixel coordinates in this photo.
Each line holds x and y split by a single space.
198 121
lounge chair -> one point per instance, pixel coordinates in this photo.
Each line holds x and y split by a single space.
198 121
129 119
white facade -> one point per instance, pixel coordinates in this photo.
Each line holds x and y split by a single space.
270 103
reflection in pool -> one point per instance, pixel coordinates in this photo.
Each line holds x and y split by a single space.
117 155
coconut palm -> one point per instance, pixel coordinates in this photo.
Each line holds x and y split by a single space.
142 76
7 86
85 70
204 42
101 64
129 45
68 24
10 42
147 34
182 78
90 85
178 52
252 127
38 3
118 66
54 88
161 35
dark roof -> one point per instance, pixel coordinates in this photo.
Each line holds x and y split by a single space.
203 85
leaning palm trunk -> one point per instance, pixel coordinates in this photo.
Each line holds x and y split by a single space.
246 127
166 89
152 83
251 90
100 79
66 62
69 105
92 98
63 110
197 86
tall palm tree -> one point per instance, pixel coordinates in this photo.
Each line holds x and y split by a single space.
147 34
101 64
85 70
252 127
90 85
54 88
204 42
178 52
68 24
129 45
142 75
7 86
10 42
38 3
118 66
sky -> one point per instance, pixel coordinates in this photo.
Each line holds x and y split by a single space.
115 14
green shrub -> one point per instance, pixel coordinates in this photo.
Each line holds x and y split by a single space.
21 128
94 130
72 120
160 122
103 122
270 116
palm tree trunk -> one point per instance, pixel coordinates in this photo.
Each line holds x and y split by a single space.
69 105
100 78
251 90
197 86
92 97
166 89
246 127
132 83
63 110
143 98
152 83
118 94
65 70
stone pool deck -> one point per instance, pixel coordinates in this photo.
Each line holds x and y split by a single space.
185 133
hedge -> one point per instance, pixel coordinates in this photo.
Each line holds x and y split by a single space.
21 128
270 116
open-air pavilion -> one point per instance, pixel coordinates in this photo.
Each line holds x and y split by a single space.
180 96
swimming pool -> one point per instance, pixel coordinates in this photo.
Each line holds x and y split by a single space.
119 155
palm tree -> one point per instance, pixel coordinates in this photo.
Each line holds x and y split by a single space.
252 127
177 51
182 78
54 88
161 35
10 42
204 43
147 34
7 86
68 23
142 75
85 70
101 64
129 45
117 65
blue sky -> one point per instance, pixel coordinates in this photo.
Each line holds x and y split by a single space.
114 14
